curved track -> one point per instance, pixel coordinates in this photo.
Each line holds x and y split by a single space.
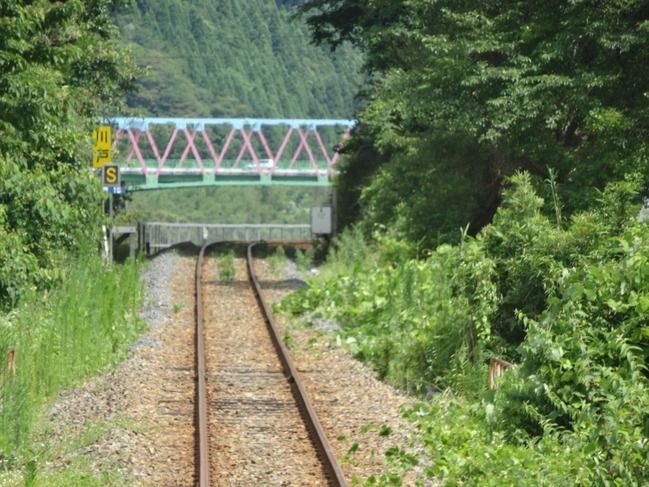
255 423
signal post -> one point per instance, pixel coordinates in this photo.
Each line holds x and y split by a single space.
111 182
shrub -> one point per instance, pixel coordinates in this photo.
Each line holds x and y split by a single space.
304 259
566 300
278 261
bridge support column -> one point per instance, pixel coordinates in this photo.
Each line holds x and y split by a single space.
151 180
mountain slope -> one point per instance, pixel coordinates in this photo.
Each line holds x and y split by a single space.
234 58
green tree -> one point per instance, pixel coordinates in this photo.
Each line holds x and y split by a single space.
489 88
263 67
59 73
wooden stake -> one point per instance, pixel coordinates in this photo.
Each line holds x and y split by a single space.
497 367
12 360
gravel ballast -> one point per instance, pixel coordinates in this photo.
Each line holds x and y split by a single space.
147 447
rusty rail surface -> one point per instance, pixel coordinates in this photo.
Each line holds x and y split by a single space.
325 453
201 403
332 468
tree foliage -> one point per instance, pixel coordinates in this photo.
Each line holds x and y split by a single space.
566 303
275 204
59 72
234 59
468 93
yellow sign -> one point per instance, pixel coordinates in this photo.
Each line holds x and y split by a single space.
110 175
101 152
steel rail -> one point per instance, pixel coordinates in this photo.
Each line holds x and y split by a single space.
201 403
332 468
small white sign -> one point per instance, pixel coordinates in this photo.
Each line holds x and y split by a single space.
321 220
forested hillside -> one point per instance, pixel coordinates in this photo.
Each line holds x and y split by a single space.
234 58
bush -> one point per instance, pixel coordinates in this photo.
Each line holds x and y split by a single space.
566 301
465 448
304 259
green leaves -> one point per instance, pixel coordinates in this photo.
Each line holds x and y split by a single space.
44 222
567 303
465 95
418 323
583 366
58 73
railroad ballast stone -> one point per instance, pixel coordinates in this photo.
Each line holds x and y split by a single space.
142 442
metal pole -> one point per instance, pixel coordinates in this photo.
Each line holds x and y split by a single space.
334 211
131 245
110 228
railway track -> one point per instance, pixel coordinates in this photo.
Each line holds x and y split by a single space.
255 423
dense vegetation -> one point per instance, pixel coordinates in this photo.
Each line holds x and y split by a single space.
492 190
494 182
468 93
566 303
233 59
59 71
65 314
277 205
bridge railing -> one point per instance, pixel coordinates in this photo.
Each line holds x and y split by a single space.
155 236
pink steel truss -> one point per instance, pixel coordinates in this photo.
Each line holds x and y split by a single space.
272 147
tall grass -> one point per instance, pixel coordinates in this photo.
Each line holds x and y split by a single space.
60 338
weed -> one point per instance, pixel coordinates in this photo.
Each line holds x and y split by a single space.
304 259
31 471
226 267
289 341
278 261
350 452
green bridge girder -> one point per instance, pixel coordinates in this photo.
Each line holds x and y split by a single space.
190 175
